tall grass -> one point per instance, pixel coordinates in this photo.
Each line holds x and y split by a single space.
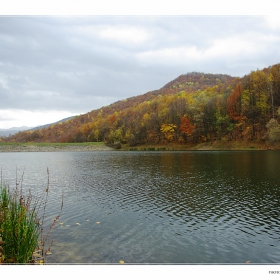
22 235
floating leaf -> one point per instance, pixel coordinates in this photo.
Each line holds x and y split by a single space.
98 222
78 224
48 253
121 262
61 223
36 255
87 220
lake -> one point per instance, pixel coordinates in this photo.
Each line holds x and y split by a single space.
193 207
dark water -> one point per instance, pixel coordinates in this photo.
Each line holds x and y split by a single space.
158 207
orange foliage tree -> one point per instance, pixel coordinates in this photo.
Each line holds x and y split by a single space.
234 104
186 126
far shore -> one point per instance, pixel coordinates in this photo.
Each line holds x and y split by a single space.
100 146
53 147
210 146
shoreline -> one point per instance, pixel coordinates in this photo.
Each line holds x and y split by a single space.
207 146
85 147
9 148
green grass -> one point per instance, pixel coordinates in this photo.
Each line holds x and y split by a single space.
51 144
21 228
68 144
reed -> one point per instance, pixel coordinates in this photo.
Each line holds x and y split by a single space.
22 235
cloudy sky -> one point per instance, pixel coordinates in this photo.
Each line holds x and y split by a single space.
53 67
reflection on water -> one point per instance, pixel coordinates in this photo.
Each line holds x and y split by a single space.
158 207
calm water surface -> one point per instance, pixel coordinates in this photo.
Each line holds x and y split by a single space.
157 207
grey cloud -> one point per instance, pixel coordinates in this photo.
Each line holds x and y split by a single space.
6 96
65 63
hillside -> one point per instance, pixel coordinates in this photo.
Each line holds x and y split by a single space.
49 124
193 108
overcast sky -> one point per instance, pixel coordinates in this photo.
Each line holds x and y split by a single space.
53 67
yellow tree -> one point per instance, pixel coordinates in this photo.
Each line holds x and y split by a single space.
168 131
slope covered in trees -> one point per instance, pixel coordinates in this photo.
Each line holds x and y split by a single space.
195 108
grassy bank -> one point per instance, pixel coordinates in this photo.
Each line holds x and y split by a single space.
101 146
52 147
28 144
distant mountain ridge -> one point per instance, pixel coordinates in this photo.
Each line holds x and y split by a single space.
16 128
13 130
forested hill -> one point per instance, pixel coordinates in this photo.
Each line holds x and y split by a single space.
195 107
194 81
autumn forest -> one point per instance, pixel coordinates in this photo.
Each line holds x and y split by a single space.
193 108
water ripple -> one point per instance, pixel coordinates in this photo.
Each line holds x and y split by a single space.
159 207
